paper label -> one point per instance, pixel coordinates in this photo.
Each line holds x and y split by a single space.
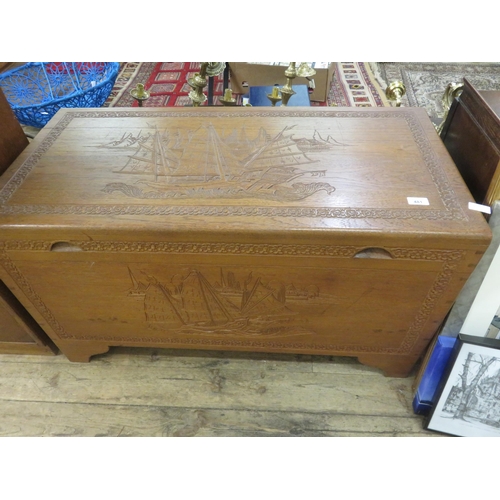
417 201
479 208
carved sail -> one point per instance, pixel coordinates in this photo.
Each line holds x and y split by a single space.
281 151
161 308
202 303
138 288
276 163
152 156
260 301
207 158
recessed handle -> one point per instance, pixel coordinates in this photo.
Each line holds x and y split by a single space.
373 253
64 246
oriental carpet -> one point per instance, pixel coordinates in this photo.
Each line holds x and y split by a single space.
426 82
353 85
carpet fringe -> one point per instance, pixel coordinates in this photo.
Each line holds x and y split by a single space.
378 81
377 75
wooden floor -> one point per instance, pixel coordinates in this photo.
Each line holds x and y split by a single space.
151 392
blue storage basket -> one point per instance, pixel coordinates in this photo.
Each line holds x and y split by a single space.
37 90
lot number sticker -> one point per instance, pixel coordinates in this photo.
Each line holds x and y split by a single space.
417 201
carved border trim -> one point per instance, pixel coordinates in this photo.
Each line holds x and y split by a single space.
28 290
449 258
234 249
453 211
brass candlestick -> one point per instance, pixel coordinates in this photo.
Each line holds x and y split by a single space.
274 97
287 90
228 99
452 91
140 94
197 83
304 71
215 68
395 91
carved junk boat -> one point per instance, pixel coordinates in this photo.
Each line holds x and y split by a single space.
207 166
196 303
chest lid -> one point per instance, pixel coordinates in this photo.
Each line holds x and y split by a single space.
238 170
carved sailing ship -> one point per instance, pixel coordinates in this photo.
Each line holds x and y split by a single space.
205 165
196 304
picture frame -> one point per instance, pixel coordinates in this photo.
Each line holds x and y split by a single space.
483 318
479 300
467 402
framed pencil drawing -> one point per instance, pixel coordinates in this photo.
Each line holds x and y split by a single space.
483 318
468 400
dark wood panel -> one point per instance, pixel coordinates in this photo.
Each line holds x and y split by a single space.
472 136
19 333
12 137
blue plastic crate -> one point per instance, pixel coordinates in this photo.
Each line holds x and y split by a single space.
37 90
441 352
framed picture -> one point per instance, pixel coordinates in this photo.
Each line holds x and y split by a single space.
479 300
467 402
483 318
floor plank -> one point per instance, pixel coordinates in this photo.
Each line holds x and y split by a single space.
27 418
155 392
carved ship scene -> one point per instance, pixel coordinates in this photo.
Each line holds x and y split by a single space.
203 164
191 303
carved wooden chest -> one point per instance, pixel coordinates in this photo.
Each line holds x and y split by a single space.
315 231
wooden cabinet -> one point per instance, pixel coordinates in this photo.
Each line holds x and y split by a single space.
328 231
19 333
472 136
12 138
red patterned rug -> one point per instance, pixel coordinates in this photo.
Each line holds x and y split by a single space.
352 85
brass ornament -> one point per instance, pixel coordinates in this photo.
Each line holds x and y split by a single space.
395 91
452 91
228 99
215 68
274 96
140 94
198 83
287 90
305 70
291 71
